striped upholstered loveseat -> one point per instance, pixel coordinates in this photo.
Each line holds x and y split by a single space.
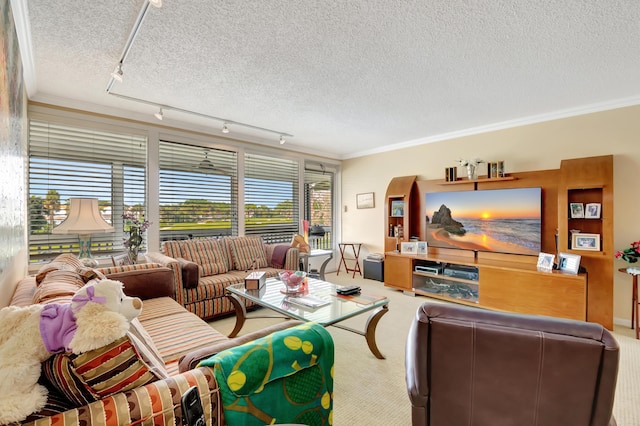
148 389
204 267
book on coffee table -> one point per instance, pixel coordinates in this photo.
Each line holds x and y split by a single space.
308 301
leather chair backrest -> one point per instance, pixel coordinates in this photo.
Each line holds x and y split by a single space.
469 366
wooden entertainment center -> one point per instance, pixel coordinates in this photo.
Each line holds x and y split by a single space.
511 282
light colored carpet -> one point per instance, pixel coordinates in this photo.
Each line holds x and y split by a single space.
369 391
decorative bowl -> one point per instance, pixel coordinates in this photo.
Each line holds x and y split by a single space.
292 280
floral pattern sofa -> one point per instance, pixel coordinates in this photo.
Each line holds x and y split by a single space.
150 368
204 267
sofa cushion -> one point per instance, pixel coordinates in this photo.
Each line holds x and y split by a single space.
171 248
207 253
247 250
96 374
175 331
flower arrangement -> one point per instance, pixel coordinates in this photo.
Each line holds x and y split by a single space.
136 230
631 254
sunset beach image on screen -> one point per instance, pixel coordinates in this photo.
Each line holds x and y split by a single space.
498 220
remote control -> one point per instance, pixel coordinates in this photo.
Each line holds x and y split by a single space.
348 290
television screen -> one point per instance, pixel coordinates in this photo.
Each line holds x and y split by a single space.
496 220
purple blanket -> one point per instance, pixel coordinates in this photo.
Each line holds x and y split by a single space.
279 255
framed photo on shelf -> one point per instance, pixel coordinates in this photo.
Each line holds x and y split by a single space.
576 210
592 211
569 263
365 200
581 241
545 262
422 247
121 259
408 247
397 208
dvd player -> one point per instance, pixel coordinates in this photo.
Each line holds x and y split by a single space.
465 272
428 269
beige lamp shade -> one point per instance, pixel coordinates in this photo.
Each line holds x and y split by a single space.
83 218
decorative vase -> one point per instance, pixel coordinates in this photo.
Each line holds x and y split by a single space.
471 171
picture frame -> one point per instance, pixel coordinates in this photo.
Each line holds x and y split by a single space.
592 211
408 247
576 210
580 241
545 262
422 247
365 200
569 263
121 259
397 208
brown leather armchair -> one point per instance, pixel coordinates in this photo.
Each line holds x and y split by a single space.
469 366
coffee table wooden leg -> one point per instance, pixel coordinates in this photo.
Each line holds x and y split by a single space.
241 314
370 334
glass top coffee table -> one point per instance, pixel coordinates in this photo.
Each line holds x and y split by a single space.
334 308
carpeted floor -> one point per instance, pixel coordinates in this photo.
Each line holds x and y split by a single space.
369 391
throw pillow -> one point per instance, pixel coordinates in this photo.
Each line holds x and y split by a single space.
207 253
65 261
58 286
246 251
93 375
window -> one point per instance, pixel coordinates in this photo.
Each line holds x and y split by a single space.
318 205
198 191
67 162
271 205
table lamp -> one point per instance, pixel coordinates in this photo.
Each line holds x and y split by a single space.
84 219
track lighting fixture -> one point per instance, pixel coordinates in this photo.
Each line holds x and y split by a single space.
156 3
117 73
159 115
225 129
282 140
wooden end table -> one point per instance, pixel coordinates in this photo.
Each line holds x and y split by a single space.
635 322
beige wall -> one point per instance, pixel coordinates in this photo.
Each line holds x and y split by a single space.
526 148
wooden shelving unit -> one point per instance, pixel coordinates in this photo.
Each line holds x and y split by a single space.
401 191
511 282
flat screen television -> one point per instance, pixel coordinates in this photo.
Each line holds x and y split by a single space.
495 220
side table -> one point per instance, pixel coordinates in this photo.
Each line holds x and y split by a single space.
635 322
304 260
355 248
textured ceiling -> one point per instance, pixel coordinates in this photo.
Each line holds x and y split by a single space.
345 78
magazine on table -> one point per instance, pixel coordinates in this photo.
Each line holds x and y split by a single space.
308 301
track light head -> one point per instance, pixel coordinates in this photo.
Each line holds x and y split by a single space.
225 129
282 140
156 3
159 115
117 73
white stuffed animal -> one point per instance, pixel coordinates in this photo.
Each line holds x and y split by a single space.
99 313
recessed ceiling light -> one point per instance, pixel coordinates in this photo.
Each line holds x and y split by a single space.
159 115
156 3
282 140
225 129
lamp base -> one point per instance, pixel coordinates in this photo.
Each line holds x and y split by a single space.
89 262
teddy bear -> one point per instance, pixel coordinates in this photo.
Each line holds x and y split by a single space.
98 314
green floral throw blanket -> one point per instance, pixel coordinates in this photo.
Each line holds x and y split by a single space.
286 377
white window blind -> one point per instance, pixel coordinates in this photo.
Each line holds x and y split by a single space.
271 197
198 191
318 206
68 162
